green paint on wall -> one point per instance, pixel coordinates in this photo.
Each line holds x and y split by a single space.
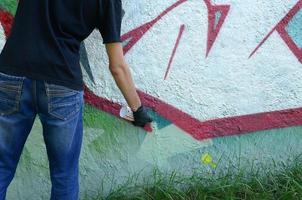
9 5
111 154
94 118
26 158
107 130
266 150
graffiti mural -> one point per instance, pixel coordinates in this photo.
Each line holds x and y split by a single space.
194 124
207 69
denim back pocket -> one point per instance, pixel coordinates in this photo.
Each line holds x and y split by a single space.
63 102
10 93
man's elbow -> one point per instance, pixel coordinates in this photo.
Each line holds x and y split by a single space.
118 69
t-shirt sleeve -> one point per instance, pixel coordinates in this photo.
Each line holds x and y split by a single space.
110 20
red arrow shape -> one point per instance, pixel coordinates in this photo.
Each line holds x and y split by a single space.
136 34
280 28
214 26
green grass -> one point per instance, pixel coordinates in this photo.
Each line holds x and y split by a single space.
286 184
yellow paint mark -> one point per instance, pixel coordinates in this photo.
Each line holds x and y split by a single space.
207 159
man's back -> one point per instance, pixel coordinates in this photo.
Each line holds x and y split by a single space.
40 58
46 36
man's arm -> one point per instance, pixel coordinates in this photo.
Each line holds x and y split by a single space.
122 75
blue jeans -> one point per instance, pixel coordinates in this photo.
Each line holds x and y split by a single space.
60 111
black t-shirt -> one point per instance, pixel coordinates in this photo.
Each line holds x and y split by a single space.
46 34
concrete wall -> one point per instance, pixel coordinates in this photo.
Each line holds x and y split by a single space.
223 80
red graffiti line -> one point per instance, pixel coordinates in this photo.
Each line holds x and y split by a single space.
104 104
281 29
182 28
6 20
214 27
201 130
136 34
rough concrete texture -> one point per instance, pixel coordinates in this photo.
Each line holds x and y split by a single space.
223 81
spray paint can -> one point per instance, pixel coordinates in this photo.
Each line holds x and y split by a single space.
126 113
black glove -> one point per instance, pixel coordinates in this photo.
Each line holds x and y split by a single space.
141 117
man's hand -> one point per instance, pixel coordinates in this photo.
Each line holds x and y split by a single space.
141 117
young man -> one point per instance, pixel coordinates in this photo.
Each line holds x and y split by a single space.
40 74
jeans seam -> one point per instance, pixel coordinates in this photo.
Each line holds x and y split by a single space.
35 95
50 105
17 99
19 93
